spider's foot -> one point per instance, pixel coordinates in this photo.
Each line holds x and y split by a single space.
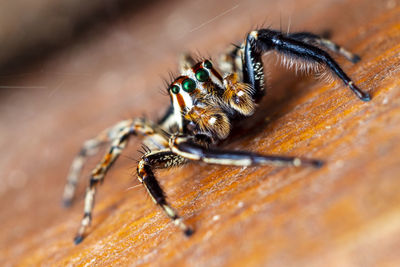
87 218
364 96
355 58
188 232
78 239
317 163
310 162
186 229
66 203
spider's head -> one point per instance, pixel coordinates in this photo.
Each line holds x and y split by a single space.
196 98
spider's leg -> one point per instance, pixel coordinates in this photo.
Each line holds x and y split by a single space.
186 61
98 173
263 40
231 62
97 176
184 147
156 160
314 39
89 148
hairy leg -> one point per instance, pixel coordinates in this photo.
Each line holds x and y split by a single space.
156 160
314 39
264 40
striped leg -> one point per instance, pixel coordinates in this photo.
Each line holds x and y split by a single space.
311 38
184 147
156 160
89 148
97 175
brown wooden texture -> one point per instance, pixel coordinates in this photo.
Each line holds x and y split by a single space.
344 214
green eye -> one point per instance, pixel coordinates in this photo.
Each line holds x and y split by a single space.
207 64
175 89
189 85
202 75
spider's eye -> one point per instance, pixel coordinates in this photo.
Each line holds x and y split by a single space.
202 75
175 89
207 64
188 85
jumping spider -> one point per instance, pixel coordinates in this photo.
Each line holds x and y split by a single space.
204 102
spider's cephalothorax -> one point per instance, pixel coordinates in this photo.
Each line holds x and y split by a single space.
205 99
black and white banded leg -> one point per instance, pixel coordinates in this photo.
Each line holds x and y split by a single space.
264 40
184 147
160 160
89 148
117 145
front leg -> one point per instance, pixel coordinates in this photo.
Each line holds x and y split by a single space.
185 147
295 46
314 39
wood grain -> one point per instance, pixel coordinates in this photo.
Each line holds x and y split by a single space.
344 214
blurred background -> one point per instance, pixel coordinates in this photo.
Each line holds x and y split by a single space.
69 69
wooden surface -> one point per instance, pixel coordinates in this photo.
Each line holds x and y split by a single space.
344 214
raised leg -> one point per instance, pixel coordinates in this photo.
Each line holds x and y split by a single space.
186 148
156 160
314 39
261 41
